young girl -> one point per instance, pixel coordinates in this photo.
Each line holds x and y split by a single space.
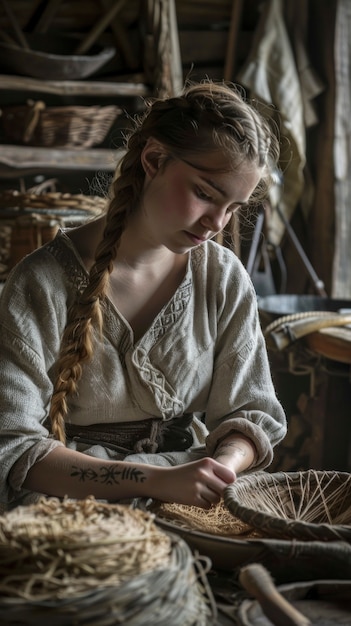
132 362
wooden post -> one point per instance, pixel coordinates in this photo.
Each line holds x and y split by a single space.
229 68
235 21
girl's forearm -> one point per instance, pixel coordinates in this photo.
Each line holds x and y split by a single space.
65 472
236 452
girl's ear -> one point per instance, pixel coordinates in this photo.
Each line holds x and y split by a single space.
153 156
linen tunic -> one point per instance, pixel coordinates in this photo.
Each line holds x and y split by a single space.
203 354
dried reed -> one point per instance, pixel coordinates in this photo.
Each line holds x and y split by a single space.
216 521
57 549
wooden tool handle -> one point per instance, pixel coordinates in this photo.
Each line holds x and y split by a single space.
258 582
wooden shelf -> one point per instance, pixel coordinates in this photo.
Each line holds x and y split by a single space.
23 160
94 88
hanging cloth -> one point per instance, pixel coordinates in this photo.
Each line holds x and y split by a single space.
341 280
271 75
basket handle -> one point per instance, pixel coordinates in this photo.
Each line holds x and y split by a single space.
33 118
290 328
256 579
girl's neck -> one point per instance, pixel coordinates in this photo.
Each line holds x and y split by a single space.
139 254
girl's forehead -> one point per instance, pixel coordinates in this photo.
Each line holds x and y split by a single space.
217 164
217 160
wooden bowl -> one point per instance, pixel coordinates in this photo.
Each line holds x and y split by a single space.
52 57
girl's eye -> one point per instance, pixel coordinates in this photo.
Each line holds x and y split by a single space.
202 194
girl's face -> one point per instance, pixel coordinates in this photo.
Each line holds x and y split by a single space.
185 205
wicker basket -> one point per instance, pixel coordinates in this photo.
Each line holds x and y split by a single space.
310 505
30 219
78 562
77 127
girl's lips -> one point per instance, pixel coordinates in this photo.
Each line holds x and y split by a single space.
195 238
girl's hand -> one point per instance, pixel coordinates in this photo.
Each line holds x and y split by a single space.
199 483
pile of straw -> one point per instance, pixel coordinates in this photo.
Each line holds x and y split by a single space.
58 549
215 521
73 562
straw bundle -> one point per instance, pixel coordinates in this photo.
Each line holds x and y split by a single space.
65 561
217 520
302 505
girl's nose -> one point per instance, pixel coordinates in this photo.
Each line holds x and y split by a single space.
215 221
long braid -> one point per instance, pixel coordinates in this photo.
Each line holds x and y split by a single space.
86 312
207 116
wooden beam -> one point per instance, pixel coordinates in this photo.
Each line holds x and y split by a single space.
73 88
235 21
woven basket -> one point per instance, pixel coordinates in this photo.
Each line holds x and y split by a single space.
79 562
231 543
310 505
30 219
77 127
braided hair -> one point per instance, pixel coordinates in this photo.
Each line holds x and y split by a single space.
206 116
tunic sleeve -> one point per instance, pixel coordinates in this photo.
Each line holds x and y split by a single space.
32 315
242 396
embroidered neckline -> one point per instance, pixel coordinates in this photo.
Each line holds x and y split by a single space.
64 251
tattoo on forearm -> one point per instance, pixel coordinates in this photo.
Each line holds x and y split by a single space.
108 475
226 445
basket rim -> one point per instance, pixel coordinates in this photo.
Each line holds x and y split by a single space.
227 552
298 529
